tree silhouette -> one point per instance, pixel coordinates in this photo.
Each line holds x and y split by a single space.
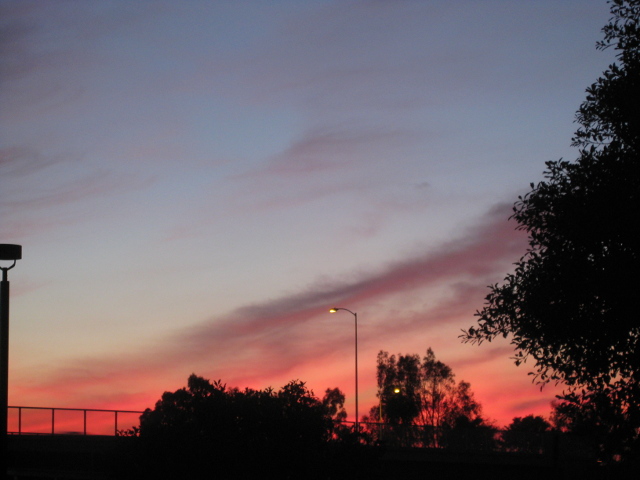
423 393
598 423
333 401
399 387
526 434
570 305
207 427
438 385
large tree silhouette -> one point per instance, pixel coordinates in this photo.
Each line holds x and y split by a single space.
570 306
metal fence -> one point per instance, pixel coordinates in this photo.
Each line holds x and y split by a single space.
69 421
87 421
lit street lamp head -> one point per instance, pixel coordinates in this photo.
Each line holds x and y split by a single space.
335 309
9 251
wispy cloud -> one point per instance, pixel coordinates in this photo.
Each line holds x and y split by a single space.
321 150
33 185
16 162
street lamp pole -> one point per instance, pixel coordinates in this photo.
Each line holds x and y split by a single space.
355 317
11 253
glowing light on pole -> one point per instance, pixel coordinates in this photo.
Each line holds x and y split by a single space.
355 317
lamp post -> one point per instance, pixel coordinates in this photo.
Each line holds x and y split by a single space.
11 253
381 424
355 317
396 390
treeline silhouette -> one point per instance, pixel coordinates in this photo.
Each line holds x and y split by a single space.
421 405
209 430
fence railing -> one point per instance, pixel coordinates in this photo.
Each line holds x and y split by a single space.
67 421
24 420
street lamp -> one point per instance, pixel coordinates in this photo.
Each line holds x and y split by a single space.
8 252
396 390
355 317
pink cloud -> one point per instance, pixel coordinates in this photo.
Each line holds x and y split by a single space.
332 150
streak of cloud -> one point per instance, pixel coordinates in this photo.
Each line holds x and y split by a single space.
272 338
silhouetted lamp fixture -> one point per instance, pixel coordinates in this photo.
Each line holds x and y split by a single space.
355 317
11 253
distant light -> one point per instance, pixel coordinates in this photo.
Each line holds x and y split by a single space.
396 390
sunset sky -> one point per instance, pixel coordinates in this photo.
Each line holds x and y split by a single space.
196 183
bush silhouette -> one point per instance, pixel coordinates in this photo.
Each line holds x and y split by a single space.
206 428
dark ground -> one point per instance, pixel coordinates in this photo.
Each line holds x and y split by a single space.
96 457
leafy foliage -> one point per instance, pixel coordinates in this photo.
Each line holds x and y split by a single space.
570 305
